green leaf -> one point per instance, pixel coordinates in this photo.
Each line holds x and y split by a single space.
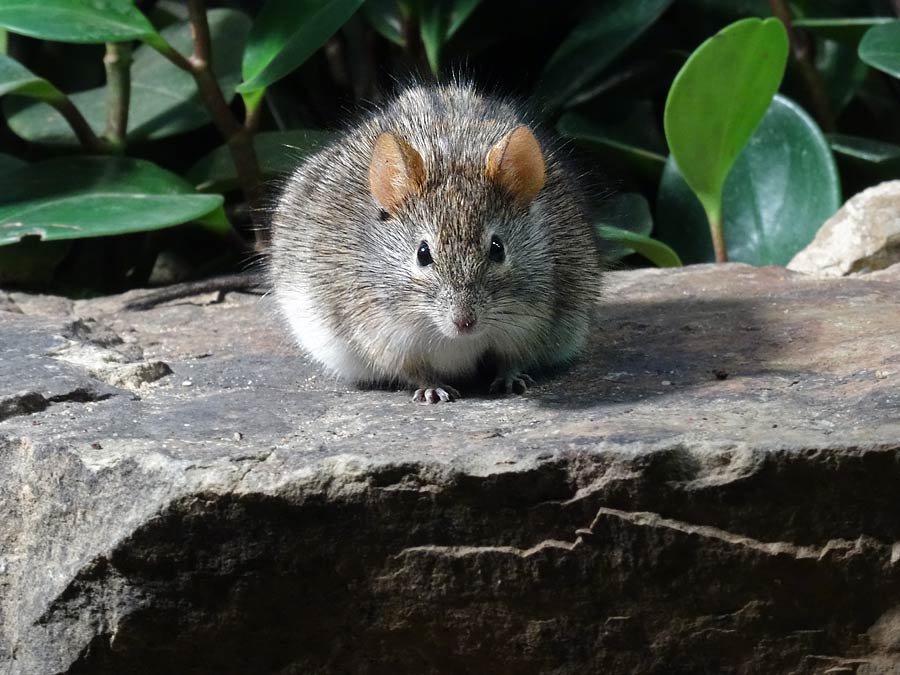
627 211
654 251
384 16
433 28
164 98
615 143
782 187
77 20
286 33
880 47
592 46
216 221
278 152
439 22
848 30
77 197
864 149
842 71
17 79
718 99
459 12
875 159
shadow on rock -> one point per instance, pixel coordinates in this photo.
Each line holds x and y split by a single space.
639 350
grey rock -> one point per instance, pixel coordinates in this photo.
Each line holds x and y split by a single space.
742 518
863 236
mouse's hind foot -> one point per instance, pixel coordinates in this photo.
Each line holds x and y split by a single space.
512 383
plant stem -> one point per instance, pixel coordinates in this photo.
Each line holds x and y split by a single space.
239 137
252 116
118 84
800 50
718 237
83 131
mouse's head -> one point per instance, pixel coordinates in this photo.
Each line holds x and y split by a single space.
468 246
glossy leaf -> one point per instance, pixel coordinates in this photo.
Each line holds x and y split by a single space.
880 48
167 12
432 29
459 12
77 20
285 34
592 46
864 149
873 159
385 17
841 70
17 79
278 152
164 98
78 197
613 143
848 30
627 211
655 251
718 99
439 22
782 187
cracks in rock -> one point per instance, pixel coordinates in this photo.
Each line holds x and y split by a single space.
466 551
270 547
252 461
89 331
80 395
7 304
811 497
30 402
111 366
835 549
24 403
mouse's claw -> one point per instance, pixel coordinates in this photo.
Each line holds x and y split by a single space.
435 394
512 383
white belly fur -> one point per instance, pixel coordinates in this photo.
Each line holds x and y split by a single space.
318 340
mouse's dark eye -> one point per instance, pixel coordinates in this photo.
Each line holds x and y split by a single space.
497 253
383 215
424 255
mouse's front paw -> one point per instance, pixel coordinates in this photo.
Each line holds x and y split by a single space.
435 394
512 383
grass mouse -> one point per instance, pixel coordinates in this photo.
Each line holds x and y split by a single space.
439 232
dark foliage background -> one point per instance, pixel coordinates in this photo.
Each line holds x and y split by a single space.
607 95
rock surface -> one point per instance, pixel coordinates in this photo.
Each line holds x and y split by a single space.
713 488
863 236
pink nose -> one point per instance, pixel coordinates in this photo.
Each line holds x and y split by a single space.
464 321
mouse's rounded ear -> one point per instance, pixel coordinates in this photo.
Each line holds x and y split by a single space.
516 163
395 171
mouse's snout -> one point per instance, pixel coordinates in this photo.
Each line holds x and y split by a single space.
463 319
